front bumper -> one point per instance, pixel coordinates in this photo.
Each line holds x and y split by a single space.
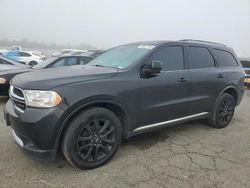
35 131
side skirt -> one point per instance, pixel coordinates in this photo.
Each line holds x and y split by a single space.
159 125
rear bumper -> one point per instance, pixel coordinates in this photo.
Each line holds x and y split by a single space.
247 81
35 131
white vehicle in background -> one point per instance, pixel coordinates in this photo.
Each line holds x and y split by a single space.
66 52
2 51
13 48
25 57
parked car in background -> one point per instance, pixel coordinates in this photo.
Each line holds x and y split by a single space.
94 53
67 52
2 51
13 48
16 48
128 90
24 57
7 75
246 66
64 61
8 65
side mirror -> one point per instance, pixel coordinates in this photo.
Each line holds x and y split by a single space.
153 68
156 66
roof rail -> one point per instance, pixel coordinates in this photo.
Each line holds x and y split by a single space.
202 41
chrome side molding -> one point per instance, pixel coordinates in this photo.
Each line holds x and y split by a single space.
170 121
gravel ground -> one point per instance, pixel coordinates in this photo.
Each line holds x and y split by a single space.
186 155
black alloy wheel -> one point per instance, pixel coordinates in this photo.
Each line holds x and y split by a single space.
226 110
95 140
92 138
223 112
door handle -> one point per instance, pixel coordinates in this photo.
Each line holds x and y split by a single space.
220 76
182 80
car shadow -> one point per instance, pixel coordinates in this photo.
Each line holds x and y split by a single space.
142 142
3 100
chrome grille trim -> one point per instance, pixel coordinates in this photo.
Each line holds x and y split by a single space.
18 109
13 95
17 100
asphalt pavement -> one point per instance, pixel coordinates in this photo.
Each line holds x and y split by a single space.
187 155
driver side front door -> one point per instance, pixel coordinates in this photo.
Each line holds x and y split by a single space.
165 96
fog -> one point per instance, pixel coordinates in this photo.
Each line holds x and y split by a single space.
113 22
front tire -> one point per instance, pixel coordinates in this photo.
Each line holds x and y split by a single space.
92 138
223 112
32 63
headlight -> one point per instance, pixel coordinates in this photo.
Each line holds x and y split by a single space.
41 99
2 81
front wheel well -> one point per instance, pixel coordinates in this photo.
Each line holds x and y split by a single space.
116 109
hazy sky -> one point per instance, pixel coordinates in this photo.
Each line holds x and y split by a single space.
105 23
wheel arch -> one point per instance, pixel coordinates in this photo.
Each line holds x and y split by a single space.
232 90
32 61
111 105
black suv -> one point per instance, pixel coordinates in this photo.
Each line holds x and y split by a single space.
86 110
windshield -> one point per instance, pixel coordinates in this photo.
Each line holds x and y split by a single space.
122 56
44 63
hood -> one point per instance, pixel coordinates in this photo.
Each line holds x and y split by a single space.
9 67
49 78
14 71
9 74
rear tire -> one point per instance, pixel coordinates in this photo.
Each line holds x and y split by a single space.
92 138
223 111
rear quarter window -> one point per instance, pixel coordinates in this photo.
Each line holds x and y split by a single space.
226 59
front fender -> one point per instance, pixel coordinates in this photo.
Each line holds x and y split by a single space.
83 104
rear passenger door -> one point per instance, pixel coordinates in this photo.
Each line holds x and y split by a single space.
165 96
206 78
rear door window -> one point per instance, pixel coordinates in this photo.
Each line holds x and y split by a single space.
199 57
226 59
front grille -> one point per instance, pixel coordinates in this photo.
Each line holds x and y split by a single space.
18 99
18 92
